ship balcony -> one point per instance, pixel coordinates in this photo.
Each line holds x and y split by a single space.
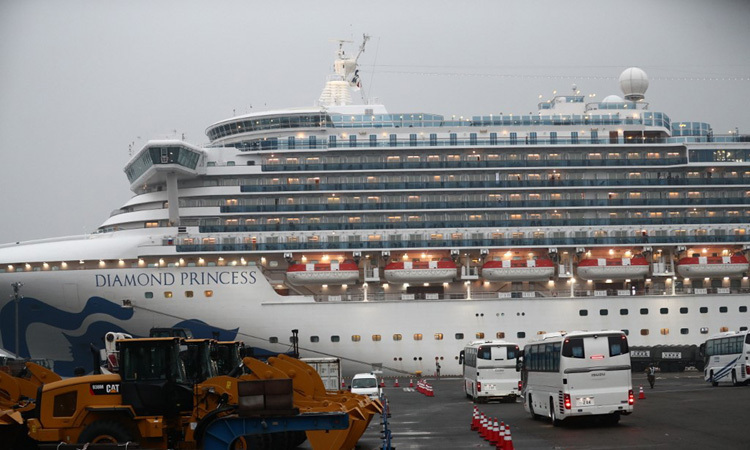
587 241
554 183
327 167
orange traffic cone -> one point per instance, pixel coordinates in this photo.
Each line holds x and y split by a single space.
641 394
501 437
430 392
475 419
382 382
482 425
343 383
411 383
495 434
395 383
508 439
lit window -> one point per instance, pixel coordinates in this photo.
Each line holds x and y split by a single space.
208 293
723 329
168 294
438 336
664 331
376 337
644 332
500 335
480 335
397 337
417 336
152 224
356 338
189 294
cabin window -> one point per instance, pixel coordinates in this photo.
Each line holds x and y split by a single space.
397 337
683 310
624 312
376 337
743 309
168 294
65 404
684 331
664 331
479 335
459 336
417 336
335 338
644 311
356 338
500 335
314 339
603 312
438 336
644 332
664 311
704 309
149 295
521 334
583 312
273 340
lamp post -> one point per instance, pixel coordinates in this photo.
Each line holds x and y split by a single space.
17 300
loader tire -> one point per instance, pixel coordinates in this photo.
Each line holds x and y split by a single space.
105 431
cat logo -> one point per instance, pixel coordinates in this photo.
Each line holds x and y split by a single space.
105 388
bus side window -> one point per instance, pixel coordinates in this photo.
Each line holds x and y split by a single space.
573 348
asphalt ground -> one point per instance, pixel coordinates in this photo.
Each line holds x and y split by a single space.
681 412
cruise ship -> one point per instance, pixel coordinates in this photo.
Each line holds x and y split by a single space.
393 239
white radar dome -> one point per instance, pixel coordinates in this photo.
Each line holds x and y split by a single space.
634 83
612 99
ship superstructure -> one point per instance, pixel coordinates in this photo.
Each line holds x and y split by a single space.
392 239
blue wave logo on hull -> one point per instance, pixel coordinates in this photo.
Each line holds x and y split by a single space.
33 311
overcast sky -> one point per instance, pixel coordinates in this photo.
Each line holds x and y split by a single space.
83 81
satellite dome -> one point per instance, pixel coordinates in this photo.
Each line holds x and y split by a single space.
633 82
612 99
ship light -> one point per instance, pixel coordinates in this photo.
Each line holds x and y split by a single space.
325 286
80 261
262 259
486 283
446 284
64 265
406 285
121 262
405 257
726 278
385 285
591 281
744 278
140 261
102 263
611 252
551 282
10 267
344 286
46 266
686 280
627 280
707 279
426 284
608 281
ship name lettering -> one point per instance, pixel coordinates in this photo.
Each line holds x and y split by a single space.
222 277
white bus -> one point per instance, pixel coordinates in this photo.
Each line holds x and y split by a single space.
726 356
581 373
490 370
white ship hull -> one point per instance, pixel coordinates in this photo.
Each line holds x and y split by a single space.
80 305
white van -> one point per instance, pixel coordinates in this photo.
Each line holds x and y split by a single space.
366 384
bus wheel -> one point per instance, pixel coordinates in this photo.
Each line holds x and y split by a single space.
714 383
553 414
613 419
531 409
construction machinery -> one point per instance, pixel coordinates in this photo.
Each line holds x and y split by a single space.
167 394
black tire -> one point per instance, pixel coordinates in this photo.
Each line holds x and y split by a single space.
553 415
714 383
106 431
613 419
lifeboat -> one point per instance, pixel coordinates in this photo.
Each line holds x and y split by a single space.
333 273
421 271
518 270
712 266
612 268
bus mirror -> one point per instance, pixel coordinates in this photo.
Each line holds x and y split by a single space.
519 364
461 357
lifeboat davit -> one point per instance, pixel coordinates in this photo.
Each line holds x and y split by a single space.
612 268
421 271
333 273
712 266
518 270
